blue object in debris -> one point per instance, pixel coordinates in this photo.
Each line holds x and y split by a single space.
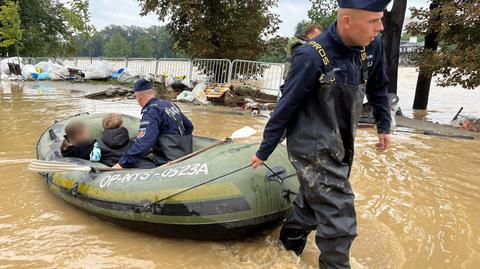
117 73
43 76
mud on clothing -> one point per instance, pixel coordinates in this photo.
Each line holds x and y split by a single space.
164 131
319 109
113 144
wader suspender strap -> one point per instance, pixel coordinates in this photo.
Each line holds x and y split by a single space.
181 127
363 57
328 66
323 55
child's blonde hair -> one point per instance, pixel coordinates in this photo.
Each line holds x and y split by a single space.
112 121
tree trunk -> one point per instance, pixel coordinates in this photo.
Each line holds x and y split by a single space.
424 77
393 24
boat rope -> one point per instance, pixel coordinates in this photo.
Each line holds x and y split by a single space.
200 184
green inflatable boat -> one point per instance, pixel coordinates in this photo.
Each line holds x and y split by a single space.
231 201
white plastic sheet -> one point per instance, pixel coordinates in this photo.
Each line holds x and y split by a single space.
98 70
44 67
59 72
27 71
196 96
128 75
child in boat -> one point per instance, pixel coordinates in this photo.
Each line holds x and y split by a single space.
78 142
115 140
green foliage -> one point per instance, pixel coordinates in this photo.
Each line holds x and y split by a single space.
117 46
45 27
300 27
276 52
217 29
323 12
457 24
10 24
77 16
143 47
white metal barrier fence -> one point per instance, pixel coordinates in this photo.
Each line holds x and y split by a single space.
143 65
174 66
211 70
260 75
115 63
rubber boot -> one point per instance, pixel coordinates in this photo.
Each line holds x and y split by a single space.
293 238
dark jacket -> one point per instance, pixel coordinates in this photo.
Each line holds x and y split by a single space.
81 151
160 120
303 83
113 144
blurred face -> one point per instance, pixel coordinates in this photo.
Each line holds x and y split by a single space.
360 27
81 137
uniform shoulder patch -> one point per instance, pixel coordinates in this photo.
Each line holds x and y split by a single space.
141 132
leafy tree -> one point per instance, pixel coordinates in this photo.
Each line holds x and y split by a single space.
162 42
217 29
276 50
44 27
452 50
117 46
323 12
79 20
10 25
143 47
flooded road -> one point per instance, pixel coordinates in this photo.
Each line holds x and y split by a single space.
418 205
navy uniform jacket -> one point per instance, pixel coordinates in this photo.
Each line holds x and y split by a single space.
155 122
303 80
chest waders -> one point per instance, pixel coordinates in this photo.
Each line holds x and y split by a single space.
320 144
170 147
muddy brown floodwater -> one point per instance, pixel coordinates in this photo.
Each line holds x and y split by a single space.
418 205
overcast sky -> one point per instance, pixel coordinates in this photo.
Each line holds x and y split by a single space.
126 12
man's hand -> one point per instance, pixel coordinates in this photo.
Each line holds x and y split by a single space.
117 167
255 161
384 142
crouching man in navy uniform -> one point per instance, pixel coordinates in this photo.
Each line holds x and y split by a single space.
165 133
319 109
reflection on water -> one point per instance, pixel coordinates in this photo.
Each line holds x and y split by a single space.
417 205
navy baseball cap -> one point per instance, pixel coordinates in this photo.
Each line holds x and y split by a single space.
142 85
370 5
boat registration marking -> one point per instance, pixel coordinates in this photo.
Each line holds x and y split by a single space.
186 170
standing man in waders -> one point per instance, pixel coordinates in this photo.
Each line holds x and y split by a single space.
319 109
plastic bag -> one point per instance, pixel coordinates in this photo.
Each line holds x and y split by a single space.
43 76
199 94
128 75
28 70
186 96
98 70
59 72
44 67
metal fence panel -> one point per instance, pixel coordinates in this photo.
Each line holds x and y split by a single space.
143 65
173 66
68 62
41 59
261 75
84 62
211 70
115 63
